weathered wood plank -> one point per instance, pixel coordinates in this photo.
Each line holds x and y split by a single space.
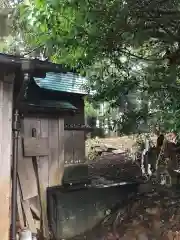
26 174
27 211
79 147
43 171
68 147
29 217
35 147
35 206
6 98
61 149
54 168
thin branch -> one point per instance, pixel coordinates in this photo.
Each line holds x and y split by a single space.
34 49
125 51
158 11
161 25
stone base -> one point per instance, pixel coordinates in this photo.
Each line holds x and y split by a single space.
75 174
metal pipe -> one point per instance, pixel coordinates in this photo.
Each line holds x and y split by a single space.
16 131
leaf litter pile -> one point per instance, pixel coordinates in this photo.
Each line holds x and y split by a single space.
151 216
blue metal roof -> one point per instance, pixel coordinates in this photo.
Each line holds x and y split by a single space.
64 82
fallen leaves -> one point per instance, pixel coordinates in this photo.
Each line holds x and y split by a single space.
152 216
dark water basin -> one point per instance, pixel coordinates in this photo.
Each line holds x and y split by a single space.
73 211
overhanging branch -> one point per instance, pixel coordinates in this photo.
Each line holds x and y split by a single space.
125 51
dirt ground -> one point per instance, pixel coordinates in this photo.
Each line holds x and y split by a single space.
114 166
151 216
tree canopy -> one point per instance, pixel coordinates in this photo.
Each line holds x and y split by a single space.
129 50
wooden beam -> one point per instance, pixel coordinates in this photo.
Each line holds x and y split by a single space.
6 100
61 149
79 147
43 172
56 155
68 147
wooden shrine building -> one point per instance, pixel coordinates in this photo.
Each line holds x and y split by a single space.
48 98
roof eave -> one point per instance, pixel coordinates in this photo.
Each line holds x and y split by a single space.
31 65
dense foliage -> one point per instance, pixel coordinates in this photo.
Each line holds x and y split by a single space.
129 50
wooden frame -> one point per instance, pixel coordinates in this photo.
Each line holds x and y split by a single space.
6 101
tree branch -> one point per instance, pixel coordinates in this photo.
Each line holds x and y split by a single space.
125 51
34 49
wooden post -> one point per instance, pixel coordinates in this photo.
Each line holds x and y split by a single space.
6 101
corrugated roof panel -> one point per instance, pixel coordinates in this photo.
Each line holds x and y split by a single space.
64 82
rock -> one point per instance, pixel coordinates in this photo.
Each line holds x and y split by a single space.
100 148
106 154
152 211
142 236
156 225
170 235
100 181
135 223
110 148
117 151
145 188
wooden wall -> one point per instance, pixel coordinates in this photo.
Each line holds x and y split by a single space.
6 99
53 129
37 173
78 118
74 148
